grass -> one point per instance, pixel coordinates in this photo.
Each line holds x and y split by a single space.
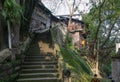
76 64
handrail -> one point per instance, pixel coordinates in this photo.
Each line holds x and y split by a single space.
41 31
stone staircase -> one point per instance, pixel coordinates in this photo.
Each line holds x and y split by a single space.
39 65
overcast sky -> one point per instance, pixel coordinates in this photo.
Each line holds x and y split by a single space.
61 8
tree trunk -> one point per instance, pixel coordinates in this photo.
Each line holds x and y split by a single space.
97 72
18 1
3 44
97 59
16 34
9 35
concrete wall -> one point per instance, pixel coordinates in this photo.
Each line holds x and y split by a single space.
116 69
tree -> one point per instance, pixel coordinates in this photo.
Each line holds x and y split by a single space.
77 64
12 13
103 28
28 6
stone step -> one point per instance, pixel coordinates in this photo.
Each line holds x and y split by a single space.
39 70
38 66
38 75
40 63
45 58
40 57
39 80
35 46
41 54
34 49
40 60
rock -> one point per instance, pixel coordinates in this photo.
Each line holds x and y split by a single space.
4 54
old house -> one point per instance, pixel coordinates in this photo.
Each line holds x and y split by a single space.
77 31
41 23
40 20
59 29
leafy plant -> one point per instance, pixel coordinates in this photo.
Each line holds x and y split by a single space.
68 42
76 64
53 34
103 29
106 68
11 13
11 78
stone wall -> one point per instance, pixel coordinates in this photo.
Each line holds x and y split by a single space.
59 32
116 69
40 20
7 65
11 60
4 54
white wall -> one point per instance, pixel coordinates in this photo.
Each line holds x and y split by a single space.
117 47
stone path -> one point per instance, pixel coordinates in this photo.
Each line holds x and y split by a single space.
40 65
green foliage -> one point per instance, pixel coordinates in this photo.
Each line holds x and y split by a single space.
16 62
12 11
104 80
91 28
76 64
53 34
106 68
68 41
100 21
11 78
103 28
10 67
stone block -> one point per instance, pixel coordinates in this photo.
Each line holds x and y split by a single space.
4 54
